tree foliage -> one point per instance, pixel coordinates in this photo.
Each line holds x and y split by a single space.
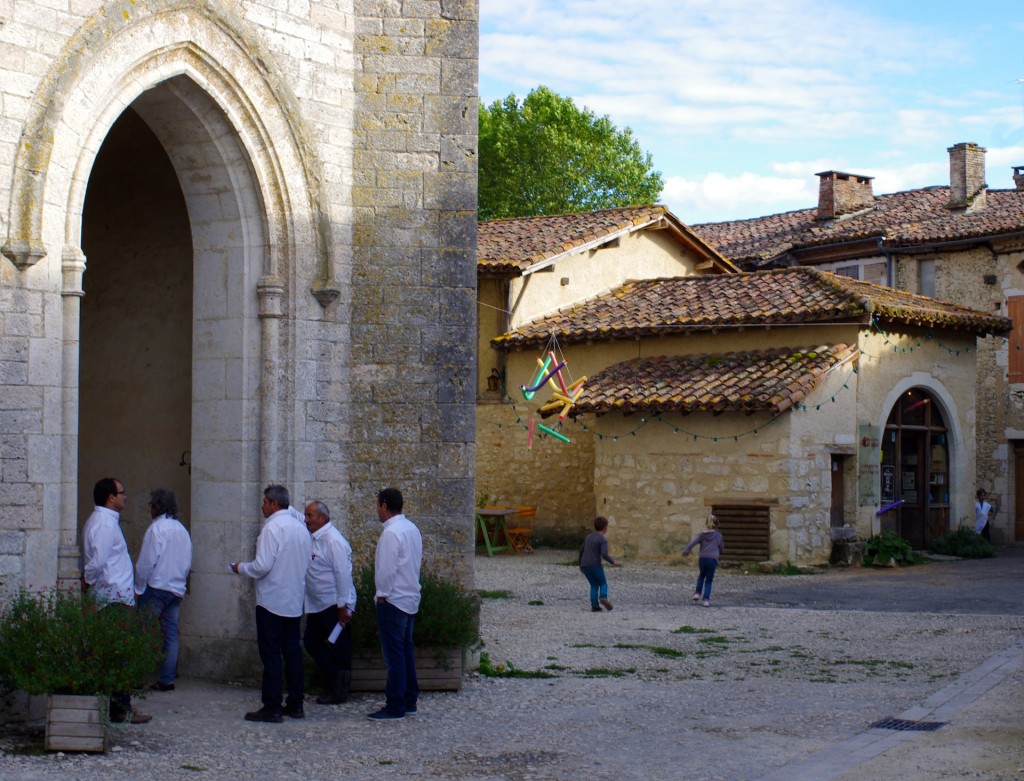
547 156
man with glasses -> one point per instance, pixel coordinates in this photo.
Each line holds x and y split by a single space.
107 571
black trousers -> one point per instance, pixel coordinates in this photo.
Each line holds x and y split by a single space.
278 640
330 658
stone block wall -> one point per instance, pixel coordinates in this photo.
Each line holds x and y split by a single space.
413 276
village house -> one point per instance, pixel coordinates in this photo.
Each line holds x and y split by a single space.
959 242
790 403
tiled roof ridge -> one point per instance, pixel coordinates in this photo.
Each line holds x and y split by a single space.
606 210
676 305
773 379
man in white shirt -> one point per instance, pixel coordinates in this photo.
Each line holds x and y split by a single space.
283 551
160 576
107 571
330 602
397 576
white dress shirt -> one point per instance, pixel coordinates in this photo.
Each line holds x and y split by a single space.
282 556
166 557
106 565
329 578
397 564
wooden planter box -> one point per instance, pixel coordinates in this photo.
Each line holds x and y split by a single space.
436 670
75 722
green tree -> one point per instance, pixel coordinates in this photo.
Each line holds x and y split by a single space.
547 156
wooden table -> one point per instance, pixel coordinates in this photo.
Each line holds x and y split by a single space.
491 520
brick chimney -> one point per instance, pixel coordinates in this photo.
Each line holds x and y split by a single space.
967 176
840 194
1018 176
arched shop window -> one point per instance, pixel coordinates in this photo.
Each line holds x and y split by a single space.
915 469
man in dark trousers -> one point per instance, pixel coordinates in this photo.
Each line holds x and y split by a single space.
397 575
107 571
283 551
330 602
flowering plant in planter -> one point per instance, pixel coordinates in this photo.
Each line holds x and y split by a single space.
449 614
60 642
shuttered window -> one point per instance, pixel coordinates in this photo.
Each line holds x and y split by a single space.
1015 311
746 530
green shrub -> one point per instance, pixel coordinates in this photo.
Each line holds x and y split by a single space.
964 543
449 615
887 547
59 642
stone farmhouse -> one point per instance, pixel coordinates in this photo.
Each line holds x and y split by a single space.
789 402
958 242
237 242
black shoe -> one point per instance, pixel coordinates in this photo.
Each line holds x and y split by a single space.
295 712
263 714
162 687
384 715
595 609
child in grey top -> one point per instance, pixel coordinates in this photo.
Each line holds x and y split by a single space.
711 546
593 551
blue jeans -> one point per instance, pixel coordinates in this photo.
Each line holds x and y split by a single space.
395 630
706 568
165 606
277 637
598 583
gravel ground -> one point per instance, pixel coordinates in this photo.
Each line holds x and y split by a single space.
778 670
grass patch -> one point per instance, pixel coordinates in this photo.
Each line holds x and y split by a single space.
660 650
499 593
608 672
716 639
587 645
690 630
508 670
194 768
554 666
535 602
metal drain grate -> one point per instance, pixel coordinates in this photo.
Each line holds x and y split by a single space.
908 726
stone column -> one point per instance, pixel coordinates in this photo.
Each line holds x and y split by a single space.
68 553
270 291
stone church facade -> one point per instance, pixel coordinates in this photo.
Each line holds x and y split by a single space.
238 248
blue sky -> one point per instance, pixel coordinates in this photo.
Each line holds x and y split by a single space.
740 102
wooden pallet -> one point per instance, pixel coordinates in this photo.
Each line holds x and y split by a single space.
435 671
76 723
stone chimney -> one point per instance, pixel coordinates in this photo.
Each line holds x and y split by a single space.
967 176
1018 176
840 194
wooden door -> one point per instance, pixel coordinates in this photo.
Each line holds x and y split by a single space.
1018 494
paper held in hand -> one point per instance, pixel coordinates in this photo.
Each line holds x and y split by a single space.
333 637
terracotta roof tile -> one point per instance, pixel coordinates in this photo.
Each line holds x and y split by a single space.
903 219
773 380
514 245
659 307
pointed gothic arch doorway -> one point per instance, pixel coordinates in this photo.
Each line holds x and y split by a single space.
135 402
174 232
915 468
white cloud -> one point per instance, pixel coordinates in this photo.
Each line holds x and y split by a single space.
737 197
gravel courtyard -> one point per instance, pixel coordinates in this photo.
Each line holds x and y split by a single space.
781 678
